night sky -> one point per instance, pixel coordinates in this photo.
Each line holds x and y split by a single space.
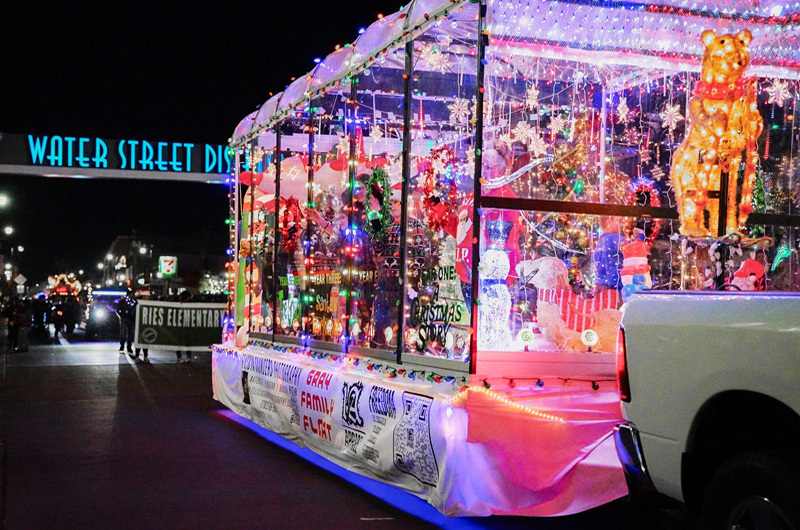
183 72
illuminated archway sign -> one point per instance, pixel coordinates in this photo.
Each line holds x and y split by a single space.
103 158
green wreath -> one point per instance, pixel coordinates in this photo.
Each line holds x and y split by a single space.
378 222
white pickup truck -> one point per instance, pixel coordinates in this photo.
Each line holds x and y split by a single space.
710 385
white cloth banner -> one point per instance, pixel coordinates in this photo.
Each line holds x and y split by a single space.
370 425
413 435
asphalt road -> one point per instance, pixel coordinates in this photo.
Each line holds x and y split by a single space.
96 440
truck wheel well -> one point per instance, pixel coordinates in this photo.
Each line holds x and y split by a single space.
729 423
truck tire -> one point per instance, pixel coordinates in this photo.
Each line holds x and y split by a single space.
754 491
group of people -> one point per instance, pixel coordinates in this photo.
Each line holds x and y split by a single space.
126 311
16 314
35 315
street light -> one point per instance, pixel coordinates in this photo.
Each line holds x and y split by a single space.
100 266
20 249
109 257
8 230
142 250
80 271
3 200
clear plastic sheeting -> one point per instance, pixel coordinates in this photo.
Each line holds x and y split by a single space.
294 94
333 68
268 109
379 36
244 127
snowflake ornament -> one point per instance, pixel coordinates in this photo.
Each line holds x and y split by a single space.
459 110
557 123
487 109
778 92
632 136
787 167
523 132
256 156
532 97
434 58
506 139
671 116
623 111
343 146
469 165
376 133
537 144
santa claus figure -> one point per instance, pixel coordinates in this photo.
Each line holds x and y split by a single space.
750 276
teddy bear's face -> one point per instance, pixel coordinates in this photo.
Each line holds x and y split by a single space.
725 57
552 274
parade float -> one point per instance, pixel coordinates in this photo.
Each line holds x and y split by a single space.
435 230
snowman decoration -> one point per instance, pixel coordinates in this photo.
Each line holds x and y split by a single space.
494 310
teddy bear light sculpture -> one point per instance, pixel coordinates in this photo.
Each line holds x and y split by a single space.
724 126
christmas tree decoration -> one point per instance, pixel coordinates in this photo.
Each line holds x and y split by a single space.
725 125
343 147
778 92
638 283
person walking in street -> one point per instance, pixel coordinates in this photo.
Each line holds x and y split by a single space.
183 298
126 311
144 359
15 313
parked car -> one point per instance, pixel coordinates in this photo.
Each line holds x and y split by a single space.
709 386
102 321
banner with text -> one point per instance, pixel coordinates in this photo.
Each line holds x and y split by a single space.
178 326
371 426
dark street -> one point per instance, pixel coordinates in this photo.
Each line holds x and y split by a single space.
96 440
